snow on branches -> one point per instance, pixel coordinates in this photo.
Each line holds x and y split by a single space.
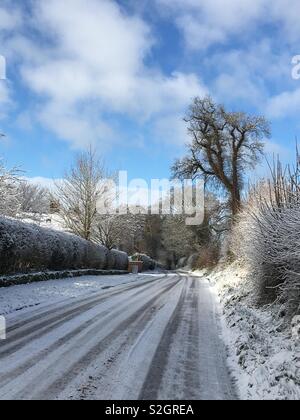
9 184
267 236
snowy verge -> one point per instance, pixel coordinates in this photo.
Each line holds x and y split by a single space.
17 279
22 298
264 357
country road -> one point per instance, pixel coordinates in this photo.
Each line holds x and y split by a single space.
155 338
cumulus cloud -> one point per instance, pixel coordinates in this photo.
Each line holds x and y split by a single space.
245 70
171 129
88 69
48 183
10 17
5 99
88 66
245 75
274 149
205 23
285 104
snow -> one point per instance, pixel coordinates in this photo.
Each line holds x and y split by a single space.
157 337
17 298
264 357
51 221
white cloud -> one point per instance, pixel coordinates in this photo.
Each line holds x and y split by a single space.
205 23
44 182
10 20
246 74
171 129
273 148
238 86
6 101
285 104
286 13
24 121
10 17
92 64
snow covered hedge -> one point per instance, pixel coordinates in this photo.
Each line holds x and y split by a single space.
27 247
268 239
117 260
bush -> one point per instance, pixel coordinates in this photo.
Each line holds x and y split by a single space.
271 247
26 248
148 263
117 260
208 257
266 237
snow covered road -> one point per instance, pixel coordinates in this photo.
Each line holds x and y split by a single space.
152 337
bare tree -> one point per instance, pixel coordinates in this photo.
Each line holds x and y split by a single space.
125 231
178 239
109 230
33 199
223 146
80 191
9 197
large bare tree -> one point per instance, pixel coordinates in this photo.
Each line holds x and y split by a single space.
78 194
224 145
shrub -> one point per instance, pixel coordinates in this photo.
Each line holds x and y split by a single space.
208 257
25 248
266 236
117 260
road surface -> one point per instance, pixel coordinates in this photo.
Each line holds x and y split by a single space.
158 338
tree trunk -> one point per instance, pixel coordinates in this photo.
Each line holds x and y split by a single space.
235 200
235 190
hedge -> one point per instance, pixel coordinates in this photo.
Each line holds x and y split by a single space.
27 247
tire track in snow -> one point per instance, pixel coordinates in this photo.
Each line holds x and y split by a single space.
18 335
190 361
129 328
155 340
157 369
123 378
91 334
70 302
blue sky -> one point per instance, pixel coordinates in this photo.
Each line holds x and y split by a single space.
120 75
